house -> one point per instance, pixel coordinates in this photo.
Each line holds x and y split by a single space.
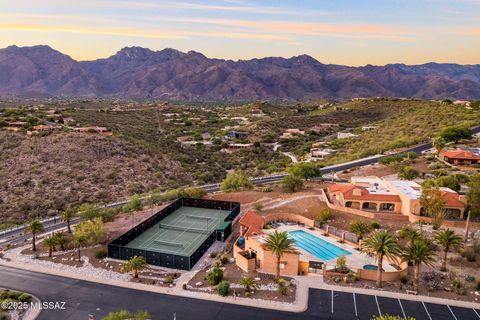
461 157
240 145
345 135
324 127
236 134
391 195
90 129
368 128
250 253
185 138
42 127
295 131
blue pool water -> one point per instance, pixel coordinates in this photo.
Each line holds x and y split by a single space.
320 248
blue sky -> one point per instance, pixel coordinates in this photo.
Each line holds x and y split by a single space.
333 31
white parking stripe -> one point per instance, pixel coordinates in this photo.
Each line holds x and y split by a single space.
478 315
355 304
401 307
453 314
332 301
378 306
428 314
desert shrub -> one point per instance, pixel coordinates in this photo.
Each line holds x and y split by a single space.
477 285
433 285
459 287
215 276
325 215
223 259
408 173
101 253
470 253
168 279
389 317
404 278
258 206
24 297
282 286
341 263
375 225
267 188
213 255
469 278
223 288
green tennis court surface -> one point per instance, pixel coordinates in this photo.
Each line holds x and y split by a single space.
181 232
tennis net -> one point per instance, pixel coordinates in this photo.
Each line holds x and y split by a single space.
186 229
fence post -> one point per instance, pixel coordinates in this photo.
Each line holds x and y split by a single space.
343 236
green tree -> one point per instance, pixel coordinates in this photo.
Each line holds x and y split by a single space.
455 134
249 283
50 243
278 243
124 314
61 239
473 196
359 228
235 182
448 182
407 173
381 244
325 215
410 234
34 227
67 216
447 239
431 201
292 183
89 211
305 170
419 252
89 232
79 240
134 265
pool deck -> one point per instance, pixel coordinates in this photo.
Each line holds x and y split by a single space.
356 260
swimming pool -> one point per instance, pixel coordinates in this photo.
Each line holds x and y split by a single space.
320 248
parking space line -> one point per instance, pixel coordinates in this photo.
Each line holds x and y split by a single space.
453 314
378 306
426 310
332 301
401 307
478 315
355 305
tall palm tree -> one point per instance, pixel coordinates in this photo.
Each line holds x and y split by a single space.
448 239
419 252
80 239
411 234
381 244
359 228
134 265
67 216
61 239
279 243
50 243
34 227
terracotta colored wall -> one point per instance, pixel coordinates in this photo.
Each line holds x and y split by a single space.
309 223
386 276
243 263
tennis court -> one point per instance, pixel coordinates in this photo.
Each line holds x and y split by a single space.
181 232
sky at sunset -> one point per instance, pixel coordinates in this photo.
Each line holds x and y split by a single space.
350 32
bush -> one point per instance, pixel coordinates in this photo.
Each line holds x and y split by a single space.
223 288
282 286
375 225
404 278
258 206
408 173
433 285
24 297
341 262
213 255
215 276
458 287
100 254
168 279
223 259
267 189
469 278
477 285
325 215
470 254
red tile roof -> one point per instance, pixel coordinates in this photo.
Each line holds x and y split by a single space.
254 222
452 199
460 154
348 189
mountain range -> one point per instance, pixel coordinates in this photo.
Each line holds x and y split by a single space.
136 72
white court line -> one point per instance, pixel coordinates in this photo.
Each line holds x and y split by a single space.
453 314
332 301
378 306
355 305
401 307
478 315
426 310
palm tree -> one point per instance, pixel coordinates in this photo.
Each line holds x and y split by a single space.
248 282
438 143
67 216
381 244
418 252
34 227
50 243
135 264
80 239
411 234
61 239
279 243
359 228
447 239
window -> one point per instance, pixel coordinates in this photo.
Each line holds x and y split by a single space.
282 265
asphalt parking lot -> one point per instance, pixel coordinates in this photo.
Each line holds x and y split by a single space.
345 305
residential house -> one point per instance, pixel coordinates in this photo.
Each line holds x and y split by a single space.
236 134
461 157
345 135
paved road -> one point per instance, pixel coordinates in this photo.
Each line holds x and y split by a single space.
83 298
